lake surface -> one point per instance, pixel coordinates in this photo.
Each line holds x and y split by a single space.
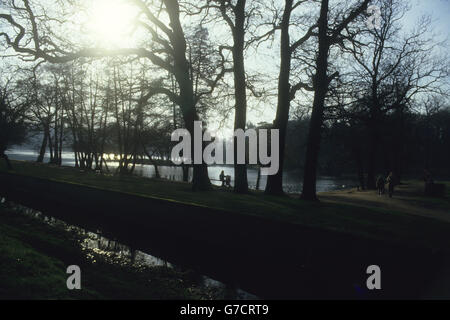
292 180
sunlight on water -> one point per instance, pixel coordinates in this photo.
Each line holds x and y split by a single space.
292 181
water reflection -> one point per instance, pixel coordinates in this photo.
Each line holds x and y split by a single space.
93 244
292 180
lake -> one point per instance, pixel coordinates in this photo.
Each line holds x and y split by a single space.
292 180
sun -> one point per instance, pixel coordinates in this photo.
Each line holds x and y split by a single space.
110 22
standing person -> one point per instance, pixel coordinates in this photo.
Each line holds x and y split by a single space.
380 184
391 183
222 178
228 181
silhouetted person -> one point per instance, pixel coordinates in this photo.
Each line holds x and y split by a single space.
391 183
228 181
380 184
222 178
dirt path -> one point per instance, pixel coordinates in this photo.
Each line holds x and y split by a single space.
408 198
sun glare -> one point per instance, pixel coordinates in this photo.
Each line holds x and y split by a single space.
110 22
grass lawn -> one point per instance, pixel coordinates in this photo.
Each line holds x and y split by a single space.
374 221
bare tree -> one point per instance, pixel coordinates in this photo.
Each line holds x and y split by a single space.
390 69
238 16
328 36
168 51
12 120
286 91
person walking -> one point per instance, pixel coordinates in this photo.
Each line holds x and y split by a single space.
222 178
228 181
380 184
391 184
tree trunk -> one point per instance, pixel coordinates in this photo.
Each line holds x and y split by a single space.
50 145
76 160
61 137
200 179
55 137
157 174
105 164
275 182
185 169
360 168
133 164
149 156
43 148
372 158
240 120
258 178
321 83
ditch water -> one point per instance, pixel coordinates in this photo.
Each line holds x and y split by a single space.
94 244
292 180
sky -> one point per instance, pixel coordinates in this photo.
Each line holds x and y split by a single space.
439 10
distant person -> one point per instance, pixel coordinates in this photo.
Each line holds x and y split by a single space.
380 184
228 181
222 178
391 183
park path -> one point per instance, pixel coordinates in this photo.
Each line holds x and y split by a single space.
408 198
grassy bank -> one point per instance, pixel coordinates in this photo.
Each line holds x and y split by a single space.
364 219
34 257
